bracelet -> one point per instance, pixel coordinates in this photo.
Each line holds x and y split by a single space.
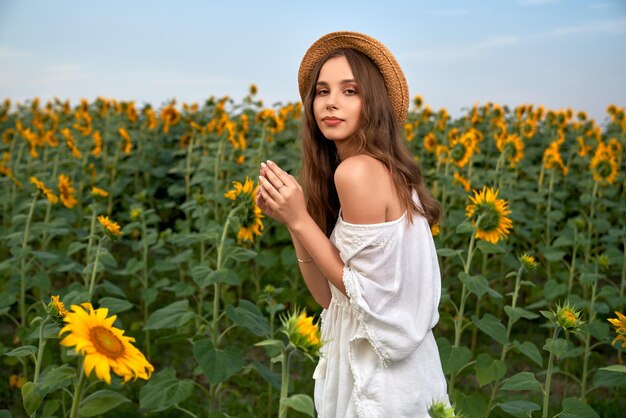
304 261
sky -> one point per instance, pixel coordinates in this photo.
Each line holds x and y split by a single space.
556 53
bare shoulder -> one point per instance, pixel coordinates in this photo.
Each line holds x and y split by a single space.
362 184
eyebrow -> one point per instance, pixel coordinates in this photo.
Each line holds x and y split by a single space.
324 83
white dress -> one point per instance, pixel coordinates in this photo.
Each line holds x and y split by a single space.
380 359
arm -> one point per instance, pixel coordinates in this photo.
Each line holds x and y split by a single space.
281 197
315 281
357 179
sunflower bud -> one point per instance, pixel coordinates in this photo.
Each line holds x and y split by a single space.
528 262
567 317
56 310
580 223
603 261
135 213
620 329
440 410
302 333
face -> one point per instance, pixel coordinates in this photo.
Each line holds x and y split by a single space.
337 103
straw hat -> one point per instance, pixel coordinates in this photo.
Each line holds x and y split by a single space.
395 81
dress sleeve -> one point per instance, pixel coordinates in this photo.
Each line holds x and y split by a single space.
392 280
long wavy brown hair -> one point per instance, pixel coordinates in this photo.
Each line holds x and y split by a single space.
379 136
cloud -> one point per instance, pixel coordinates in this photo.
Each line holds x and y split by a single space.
447 53
453 53
615 26
8 52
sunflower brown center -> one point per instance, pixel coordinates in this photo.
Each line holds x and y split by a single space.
106 342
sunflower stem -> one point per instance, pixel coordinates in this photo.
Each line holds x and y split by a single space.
186 411
188 169
284 385
546 388
572 269
590 222
592 318
548 226
42 346
92 229
22 304
144 276
216 174
216 286
458 320
112 181
505 347
94 270
78 392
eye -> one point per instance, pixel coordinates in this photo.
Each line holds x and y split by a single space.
322 91
350 91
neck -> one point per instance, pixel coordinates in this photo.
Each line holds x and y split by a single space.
345 149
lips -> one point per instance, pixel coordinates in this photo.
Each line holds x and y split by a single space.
331 120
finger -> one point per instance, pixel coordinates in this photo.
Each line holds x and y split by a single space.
269 192
273 178
282 176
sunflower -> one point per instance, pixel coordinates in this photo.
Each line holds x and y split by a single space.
96 191
169 116
71 143
418 101
499 129
409 131
583 149
97 140
127 145
250 223
56 307
552 158
103 346
494 224
513 147
151 118
8 135
620 328
568 317
430 142
52 198
458 178
528 262
66 192
528 128
111 227
83 123
442 152
604 165
615 146
462 149
302 332
435 230
253 90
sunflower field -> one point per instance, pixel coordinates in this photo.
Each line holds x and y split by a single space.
138 277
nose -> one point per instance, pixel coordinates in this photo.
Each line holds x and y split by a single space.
331 101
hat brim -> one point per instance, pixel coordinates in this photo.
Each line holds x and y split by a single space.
393 76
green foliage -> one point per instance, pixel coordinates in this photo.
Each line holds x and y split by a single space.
202 303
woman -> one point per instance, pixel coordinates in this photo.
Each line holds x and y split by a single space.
360 228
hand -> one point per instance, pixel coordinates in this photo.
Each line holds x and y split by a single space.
280 196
